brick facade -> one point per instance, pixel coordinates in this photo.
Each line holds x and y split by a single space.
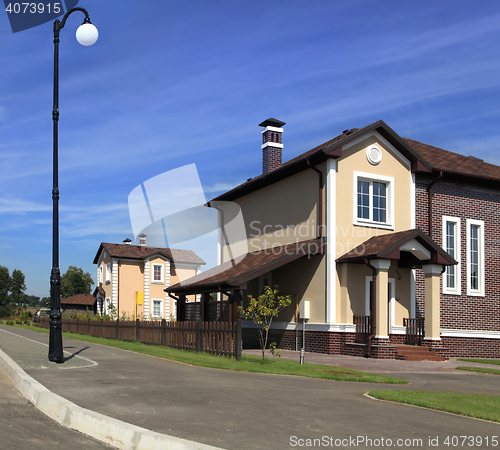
464 201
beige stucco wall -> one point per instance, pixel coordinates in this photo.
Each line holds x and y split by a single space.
282 213
130 280
304 280
353 160
350 282
353 291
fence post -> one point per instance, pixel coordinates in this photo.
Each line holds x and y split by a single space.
137 329
237 341
198 335
163 331
117 326
77 326
101 327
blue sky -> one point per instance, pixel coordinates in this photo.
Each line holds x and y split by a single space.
172 83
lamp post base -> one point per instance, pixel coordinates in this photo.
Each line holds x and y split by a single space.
56 353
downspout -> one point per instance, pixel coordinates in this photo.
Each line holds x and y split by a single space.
373 309
319 229
429 201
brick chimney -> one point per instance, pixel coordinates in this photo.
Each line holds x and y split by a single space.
142 241
272 144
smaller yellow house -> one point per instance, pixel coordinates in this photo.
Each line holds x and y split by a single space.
132 278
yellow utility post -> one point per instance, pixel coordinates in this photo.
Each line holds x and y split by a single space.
139 300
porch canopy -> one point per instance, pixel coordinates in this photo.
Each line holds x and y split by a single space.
408 249
233 276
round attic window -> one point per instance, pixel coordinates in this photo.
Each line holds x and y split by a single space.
374 155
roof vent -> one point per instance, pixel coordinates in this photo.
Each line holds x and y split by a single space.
127 241
476 159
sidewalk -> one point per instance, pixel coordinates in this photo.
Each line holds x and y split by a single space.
231 409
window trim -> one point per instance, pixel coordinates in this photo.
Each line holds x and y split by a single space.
108 273
162 273
457 289
389 182
153 315
480 291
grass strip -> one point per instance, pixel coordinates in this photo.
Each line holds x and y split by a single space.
480 369
481 361
248 363
485 407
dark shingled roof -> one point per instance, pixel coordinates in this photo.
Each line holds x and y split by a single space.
80 299
227 275
454 163
141 253
424 159
387 247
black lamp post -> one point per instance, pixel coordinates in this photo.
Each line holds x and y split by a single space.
86 35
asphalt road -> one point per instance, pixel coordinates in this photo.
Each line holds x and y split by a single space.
24 427
257 411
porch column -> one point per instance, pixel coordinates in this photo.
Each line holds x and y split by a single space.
432 301
381 297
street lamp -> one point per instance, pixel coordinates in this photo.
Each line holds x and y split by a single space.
86 35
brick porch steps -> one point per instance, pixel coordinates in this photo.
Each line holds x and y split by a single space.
416 353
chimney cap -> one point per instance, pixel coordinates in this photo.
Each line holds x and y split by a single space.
272 123
127 241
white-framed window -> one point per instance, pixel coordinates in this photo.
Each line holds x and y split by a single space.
373 200
157 309
451 244
157 273
108 273
100 275
475 257
108 303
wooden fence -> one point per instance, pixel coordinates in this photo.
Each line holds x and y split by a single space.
218 338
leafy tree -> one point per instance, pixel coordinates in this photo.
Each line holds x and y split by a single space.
263 310
74 282
17 288
33 301
6 306
45 302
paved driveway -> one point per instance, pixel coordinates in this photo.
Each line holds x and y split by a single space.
255 411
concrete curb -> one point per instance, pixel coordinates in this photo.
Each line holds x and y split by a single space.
106 429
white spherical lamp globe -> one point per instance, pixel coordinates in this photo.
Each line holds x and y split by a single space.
87 34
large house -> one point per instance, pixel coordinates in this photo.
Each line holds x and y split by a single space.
385 240
132 278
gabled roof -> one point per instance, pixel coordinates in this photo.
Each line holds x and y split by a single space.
232 276
327 150
456 165
393 245
423 158
79 299
141 253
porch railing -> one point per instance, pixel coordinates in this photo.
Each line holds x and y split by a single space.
363 328
415 330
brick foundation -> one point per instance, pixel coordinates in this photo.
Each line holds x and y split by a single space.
338 343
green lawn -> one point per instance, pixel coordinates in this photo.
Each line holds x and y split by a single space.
481 361
485 407
480 370
248 363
